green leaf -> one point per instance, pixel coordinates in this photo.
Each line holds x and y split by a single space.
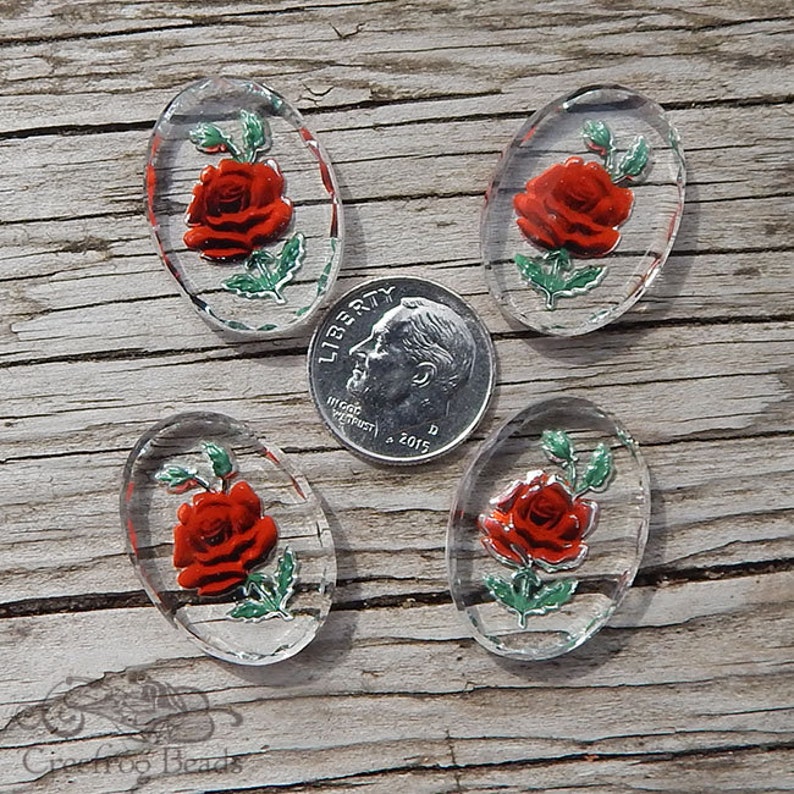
292 253
531 269
558 446
176 478
584 279
261 586
210 139
261 261
222 463
249 610
267 595
633 163
256 134
286 575
599 469
550 283
553 596
501 590
267 274
525 595
598 138
245 285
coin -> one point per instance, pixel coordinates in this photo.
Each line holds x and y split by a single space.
401 370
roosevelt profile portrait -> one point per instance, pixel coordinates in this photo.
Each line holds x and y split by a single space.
417 357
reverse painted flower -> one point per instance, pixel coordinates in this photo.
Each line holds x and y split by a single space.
220 537
574 210
237 208
576 206
538 519
543 521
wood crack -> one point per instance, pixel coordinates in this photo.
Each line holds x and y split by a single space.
89 602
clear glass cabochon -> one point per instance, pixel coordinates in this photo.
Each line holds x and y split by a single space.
582 210
547 529
244 207
229 540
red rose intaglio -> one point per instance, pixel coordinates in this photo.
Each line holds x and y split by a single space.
574 205
236 208
220 538
540 520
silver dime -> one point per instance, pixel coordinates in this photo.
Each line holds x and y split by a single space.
401 370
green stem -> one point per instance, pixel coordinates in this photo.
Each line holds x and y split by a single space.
258 264
527 580
570 473
610 165
559 261
203 483
233 150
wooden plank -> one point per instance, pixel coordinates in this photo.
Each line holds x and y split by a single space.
420 684
391 161
704 518
102 274
738 388
387 57
689 686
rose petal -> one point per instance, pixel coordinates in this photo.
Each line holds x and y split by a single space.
183 553
502 551
566 564
267 184
535 221
503 500
184 512
198 205
265 533
615 209
210 581
583 238
229 551
243 494
272 225
242 518
217 246
538 507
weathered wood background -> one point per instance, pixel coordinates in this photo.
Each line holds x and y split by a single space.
690 687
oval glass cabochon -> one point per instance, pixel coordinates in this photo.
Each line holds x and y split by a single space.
244 206
582 210
229 540
548 529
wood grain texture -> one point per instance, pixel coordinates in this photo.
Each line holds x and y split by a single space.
689 687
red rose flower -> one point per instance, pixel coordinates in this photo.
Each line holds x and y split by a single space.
236 208
220 537
538 519
576 206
